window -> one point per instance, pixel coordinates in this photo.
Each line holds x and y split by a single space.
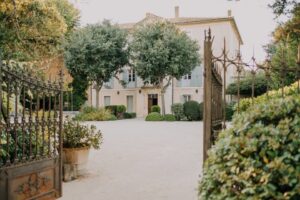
186 98
131 75
188 76
106 100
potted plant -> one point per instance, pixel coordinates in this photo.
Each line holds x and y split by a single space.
77 141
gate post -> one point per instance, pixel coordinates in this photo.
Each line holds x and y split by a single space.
207 121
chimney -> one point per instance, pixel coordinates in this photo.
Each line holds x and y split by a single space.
229 13
176 11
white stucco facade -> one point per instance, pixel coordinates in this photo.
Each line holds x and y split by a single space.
137 97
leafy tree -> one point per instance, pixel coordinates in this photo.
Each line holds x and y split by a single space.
283 7
33 29
283 50
97 52
260 86
160 52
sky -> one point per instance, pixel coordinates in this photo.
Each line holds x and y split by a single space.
254 19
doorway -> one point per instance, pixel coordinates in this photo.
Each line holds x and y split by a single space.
152 101
130 104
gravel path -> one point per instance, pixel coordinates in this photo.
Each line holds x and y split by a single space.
142 161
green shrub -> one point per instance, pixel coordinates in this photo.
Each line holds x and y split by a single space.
133 115
121 108
247 102
177 110
169 117
112 118
129 115
88 109
258 157
229 111
191 110
155 109
113 109
154 116
76 135
201 111
93 114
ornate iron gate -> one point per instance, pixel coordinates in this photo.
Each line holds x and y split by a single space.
212 104
30 135
215 72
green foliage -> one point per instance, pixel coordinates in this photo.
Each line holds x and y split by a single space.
117 110
154 116
229 111
80 86
260 86
177 110
7 150
191 110
129 115
155 108
258 157
283 7
169 117
34 29
97 52
246 104
94 114
201 110
161 51
76 135
121 109
112 109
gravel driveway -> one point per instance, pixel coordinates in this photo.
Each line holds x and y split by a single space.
142 160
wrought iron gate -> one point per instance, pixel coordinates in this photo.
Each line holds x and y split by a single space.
212 104
30 135
215 73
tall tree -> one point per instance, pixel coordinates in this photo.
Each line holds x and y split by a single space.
34 29
97 52
160 52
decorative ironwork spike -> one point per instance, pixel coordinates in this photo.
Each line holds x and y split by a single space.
209 33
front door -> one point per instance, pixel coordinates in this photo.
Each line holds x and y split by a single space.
152 101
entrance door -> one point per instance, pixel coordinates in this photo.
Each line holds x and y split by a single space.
152 101
130 104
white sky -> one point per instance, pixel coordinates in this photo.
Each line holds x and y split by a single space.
254 19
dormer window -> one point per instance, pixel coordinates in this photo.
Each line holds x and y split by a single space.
131 75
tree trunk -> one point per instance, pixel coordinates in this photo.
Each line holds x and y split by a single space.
97 96
163 109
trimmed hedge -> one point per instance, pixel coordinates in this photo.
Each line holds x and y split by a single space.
258 157
169 117
154 116
155 109
191 110
129 115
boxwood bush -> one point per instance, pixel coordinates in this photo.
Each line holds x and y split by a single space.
169 117
191 110
155 109
258 157
129 115
154 116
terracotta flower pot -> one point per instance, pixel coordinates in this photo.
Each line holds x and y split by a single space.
76 157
